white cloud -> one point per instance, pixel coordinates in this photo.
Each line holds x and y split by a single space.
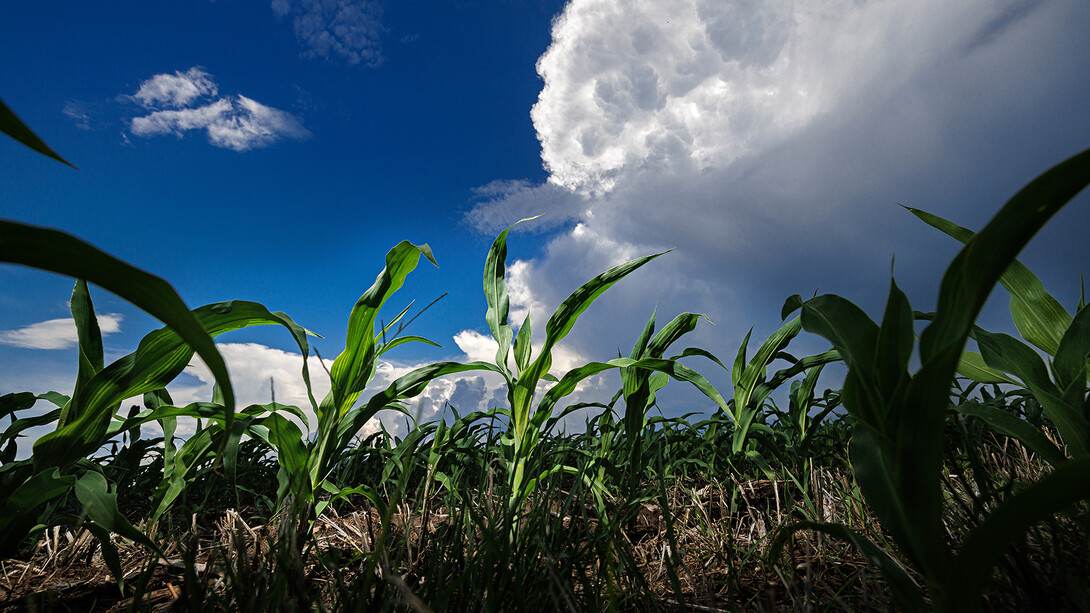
687 85
177 90
181 121
344 30
251 366
56 333
257 372
768 142
237 122
78 113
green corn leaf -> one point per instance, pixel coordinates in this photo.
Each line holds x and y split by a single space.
89 339
522 345
803 397
896 341
1006 353
691 351
672 332
640 348
1039 317
16 401
917 458
354 366
855 337
1011 355
292 454
22 507
674 369
12 432
14 127
792 304
880 481
1070 366
565 316
984 259
193 452
210 411
571 380
801 365
61 253
656 382
154 400
159 358
58 399
382 348
495 294
972 365
845 325
738 368
1005 422
749 392
100 505
109 554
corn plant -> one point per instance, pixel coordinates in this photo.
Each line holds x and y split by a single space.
639 386
803 421
525 422
752 387
897 447
306 464
1059 386
751 404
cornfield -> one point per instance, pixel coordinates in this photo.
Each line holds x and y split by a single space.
961 486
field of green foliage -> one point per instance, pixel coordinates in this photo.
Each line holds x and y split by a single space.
961 486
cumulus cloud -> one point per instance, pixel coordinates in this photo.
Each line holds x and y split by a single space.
693 84
177 90
336 30
55 333
767 141
183 102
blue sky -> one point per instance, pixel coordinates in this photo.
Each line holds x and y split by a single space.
275 151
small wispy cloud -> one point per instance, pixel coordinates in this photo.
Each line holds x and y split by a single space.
344 30
183 102
55 333
78 113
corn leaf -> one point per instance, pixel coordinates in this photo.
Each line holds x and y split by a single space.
495 294
1070 366
355 365
62 253
1039 317
14 127
1005 422
22 507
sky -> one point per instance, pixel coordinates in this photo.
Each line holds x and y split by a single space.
276 151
